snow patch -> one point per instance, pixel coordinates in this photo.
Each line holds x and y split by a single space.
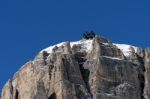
123 85
114 58
49 49
106 44
126 49
86 45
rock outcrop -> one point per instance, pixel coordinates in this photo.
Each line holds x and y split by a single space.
86 69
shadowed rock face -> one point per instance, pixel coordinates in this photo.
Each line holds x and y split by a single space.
70 71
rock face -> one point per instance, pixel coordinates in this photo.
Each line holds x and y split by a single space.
86 69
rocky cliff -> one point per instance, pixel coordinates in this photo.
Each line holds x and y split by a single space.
86 69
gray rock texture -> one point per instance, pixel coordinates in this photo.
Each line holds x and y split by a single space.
78 71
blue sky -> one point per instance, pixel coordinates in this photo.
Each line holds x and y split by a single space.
28 26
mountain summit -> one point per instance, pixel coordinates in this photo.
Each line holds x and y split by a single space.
85 69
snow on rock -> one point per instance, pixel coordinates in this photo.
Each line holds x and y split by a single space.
114 58
105 44
123 85
126 49
49 49
86 45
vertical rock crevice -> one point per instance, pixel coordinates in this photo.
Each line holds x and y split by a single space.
141 78
81 59
45 55
17 94
53 96
141 75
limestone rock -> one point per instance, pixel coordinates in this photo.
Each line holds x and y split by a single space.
86 69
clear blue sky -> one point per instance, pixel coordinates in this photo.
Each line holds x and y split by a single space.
27 26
